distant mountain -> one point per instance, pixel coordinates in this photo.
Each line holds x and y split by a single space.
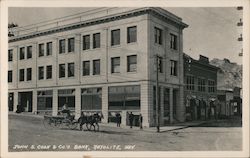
229 75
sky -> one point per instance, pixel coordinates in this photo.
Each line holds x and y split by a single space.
212 32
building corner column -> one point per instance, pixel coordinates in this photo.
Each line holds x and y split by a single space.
15 101
145 93
34 102
78 102
105 103
171 105
55 103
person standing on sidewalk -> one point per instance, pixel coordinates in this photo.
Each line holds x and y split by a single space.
140 121
118 119
131 119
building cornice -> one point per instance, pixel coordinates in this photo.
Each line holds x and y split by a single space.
174 20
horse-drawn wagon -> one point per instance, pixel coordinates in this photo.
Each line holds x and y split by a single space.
60 122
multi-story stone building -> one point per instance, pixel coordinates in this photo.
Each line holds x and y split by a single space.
100 61
200 88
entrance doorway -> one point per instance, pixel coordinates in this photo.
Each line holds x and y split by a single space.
25 100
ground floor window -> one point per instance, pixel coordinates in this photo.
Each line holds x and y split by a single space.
44 100
66 96
124 97
91 98
175 95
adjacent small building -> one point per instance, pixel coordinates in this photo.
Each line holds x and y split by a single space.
200 92
230 102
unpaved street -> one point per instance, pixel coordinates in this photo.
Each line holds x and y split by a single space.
25 131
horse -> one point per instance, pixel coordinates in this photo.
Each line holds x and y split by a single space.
90 121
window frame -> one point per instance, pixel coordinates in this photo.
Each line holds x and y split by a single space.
29 52
71 73
41 73
10 55
62 46
158 35
71 45
48 50
49 73
129 63
28 74
113 65
86 42
173 41
10 76
173 68
131 38
21 75
40 50
62 74
96 40
113 37
22 53
84 68
95 66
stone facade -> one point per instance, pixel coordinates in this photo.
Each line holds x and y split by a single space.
50 92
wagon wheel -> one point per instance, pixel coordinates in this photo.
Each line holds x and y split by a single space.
89 126
97 127
49 123
73 125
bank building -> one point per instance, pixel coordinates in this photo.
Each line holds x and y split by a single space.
103 61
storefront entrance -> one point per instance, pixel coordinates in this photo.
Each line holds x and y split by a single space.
25 101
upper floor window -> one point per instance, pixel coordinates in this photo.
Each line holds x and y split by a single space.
160 65
132 63
190 82
49 48
86 68
86 42
10 55
41 49
96 67
10 76
29 52
21 75
49 72
61 46
211 86
173 41
61 70
29 74
173 67
131 34
71 69
158 36
22 53
71 45
115 37
96 40
115 65
41 73
201 85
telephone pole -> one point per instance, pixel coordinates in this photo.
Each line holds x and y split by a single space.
157 94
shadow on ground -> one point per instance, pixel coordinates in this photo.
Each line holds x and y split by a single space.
232 122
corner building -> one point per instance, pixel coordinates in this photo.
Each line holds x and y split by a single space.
100 61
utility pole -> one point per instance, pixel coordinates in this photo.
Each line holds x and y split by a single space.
157 94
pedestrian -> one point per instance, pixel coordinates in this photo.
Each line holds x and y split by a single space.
65 110
131 119
140 121
118 119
